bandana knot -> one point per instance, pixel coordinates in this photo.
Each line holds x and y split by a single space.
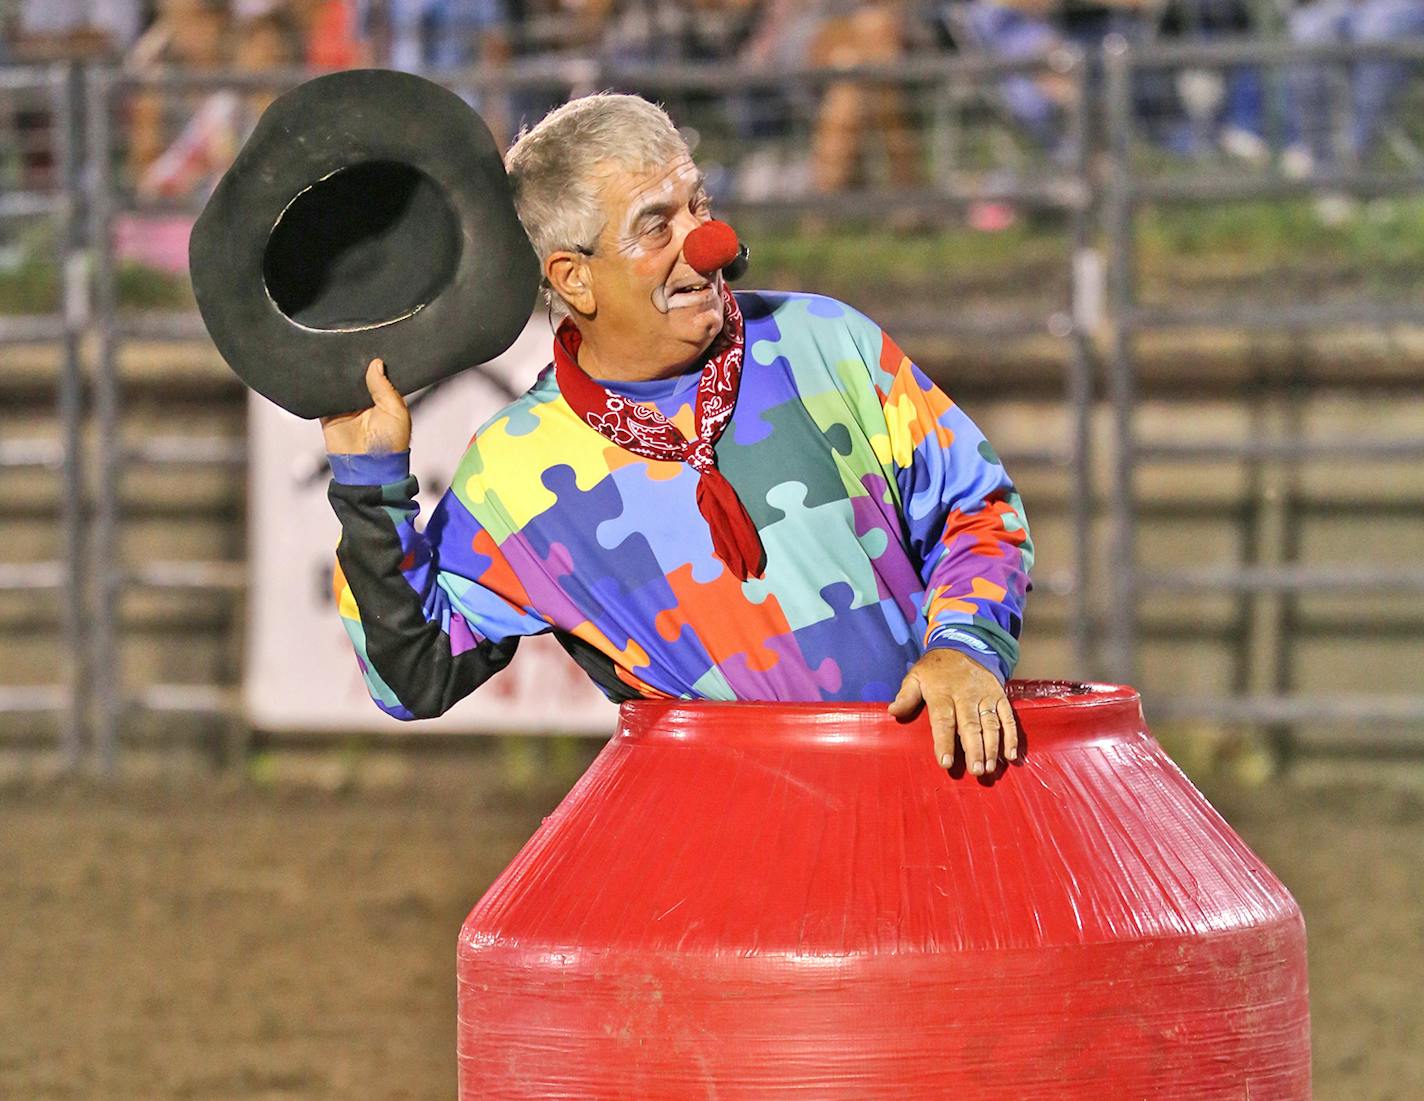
701 457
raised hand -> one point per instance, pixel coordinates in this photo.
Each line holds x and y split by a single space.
382 429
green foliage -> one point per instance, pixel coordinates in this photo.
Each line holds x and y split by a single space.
29 273
1225 247
864 265
33 287
143 288
29 287
1377 249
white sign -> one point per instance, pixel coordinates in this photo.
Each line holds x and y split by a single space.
301 672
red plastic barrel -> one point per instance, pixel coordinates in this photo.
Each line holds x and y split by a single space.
776 901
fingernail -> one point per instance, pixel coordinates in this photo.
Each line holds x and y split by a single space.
1013 754
946 760
978 769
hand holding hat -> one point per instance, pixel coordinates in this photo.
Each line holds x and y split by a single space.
381 429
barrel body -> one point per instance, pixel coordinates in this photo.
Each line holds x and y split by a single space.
772 901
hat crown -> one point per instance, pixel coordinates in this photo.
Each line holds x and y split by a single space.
367 246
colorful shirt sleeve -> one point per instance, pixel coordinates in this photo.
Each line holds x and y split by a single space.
966 522
432 615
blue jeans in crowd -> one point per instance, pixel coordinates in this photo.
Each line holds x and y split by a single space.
1009 34
1373 84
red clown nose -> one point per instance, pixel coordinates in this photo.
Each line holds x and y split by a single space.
710 247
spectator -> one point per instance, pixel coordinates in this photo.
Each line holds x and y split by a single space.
851 117
1182 111
643 31
1225 106
852 112
192 34
560 29
332 38
1021 29
1013 30
50 30
1374 83
266 41
422 36
428 37
761 116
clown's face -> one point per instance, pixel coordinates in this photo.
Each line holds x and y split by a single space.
649 304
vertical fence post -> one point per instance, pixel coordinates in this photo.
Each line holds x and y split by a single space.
1121 590
66 98
108 562
1082 499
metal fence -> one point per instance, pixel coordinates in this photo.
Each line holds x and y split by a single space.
1286 578
42 196
1091 175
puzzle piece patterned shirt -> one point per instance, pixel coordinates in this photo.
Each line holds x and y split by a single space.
888 522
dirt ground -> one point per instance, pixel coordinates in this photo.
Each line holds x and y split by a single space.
291 933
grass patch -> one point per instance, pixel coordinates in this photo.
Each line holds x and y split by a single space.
29 287
1255 248
868 266
144 288
1270 250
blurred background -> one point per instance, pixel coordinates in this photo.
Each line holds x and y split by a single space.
1166 252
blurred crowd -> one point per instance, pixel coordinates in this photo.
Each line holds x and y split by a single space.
1221 112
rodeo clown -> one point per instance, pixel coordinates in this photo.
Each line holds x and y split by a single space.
706 495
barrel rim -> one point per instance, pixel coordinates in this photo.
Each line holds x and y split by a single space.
1052 710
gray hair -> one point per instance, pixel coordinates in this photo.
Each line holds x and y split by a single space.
552 167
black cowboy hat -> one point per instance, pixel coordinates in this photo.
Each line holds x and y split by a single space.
368 215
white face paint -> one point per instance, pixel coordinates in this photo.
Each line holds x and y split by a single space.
667 297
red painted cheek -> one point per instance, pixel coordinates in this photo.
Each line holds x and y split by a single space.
650 266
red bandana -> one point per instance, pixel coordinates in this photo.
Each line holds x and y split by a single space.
641 429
